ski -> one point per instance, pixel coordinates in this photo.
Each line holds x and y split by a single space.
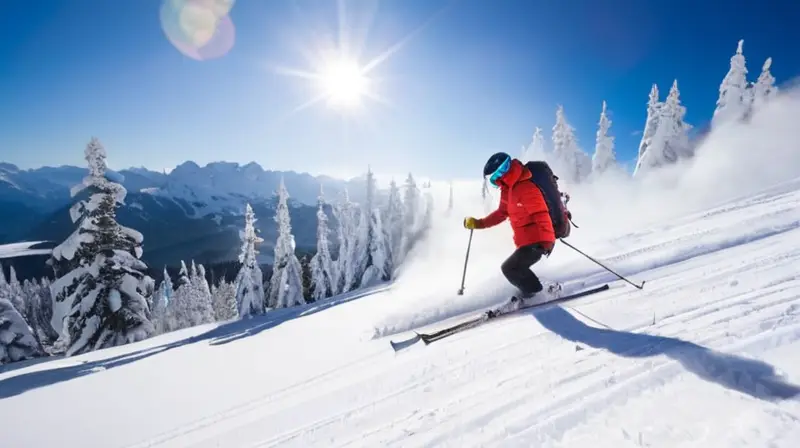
488 315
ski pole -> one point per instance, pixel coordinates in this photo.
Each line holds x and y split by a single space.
603 266
466 260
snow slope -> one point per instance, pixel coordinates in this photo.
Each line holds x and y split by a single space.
694 359
707 355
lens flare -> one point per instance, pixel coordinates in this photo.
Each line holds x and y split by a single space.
200 29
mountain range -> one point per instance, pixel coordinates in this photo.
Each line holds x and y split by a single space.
191 213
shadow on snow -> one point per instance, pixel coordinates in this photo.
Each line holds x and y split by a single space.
755 378
222 334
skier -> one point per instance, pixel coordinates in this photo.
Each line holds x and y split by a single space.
523 204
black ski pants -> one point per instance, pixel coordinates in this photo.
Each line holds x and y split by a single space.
517 270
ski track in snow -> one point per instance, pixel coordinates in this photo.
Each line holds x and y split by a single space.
688 361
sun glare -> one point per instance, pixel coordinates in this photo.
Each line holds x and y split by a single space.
340 74
344 84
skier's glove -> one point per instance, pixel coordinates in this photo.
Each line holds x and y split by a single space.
470 223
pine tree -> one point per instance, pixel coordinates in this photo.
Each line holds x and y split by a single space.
157 313
182 309
677 140
604 157
225 305
575 163
764 89
732 101
346 214
671 139
12 290
413 214
371 259
286 284
203 309
17 341
5 288
249 281
43 302
321 264
161 300
394 227
650 128
103 288
536 149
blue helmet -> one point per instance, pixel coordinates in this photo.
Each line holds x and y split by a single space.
497 165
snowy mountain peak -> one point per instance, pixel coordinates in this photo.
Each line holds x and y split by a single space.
8 168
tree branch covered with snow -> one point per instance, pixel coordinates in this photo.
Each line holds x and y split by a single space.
101 298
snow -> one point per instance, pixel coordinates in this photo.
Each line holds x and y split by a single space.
22 249
707 354
732 103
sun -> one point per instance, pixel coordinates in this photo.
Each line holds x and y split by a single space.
337 67
344 84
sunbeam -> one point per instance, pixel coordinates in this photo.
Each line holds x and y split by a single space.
339 79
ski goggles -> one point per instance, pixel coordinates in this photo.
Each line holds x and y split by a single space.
500 172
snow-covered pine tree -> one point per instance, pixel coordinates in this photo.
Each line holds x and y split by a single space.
102 291
5 288
764 88
671 139
731 104
29 295
182 308
225 305
427 215
371 261
249 281
536 149
413 214
161 299
678 136
572 164
346 214
12 290
321 264
286 284
604 158
203 307
17 341
650 128
394 226
40 306
166 287
157 315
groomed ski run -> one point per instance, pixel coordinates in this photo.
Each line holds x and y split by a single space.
705 355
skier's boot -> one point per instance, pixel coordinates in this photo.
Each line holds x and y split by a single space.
513 304
554 290
549 292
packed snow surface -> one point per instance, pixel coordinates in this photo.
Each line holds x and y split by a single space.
706 355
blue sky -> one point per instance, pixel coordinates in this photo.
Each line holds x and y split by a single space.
470 77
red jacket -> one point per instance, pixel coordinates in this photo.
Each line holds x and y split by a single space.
522 203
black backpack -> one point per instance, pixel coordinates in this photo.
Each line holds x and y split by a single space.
542 176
